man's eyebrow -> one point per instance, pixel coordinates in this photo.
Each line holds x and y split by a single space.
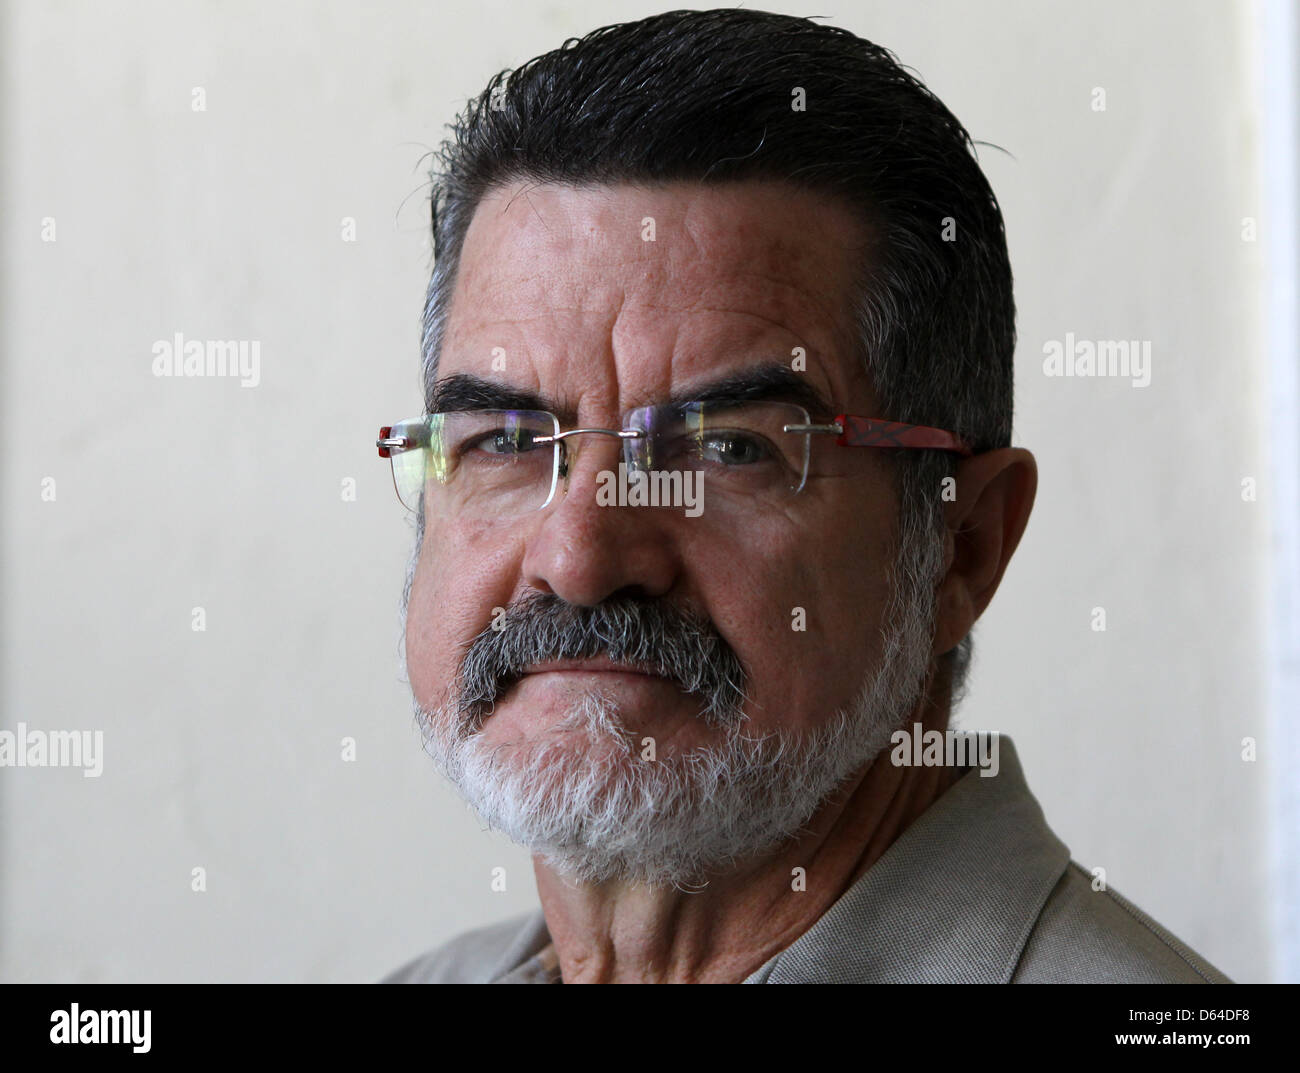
464 391
774 382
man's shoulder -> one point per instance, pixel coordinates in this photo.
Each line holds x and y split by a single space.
473 957
1084 935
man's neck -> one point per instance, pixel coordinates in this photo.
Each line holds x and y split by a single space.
617 932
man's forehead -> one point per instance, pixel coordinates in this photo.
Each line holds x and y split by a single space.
685 282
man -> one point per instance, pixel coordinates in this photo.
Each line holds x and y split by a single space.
713 482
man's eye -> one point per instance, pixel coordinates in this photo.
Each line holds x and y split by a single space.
732 448
501 442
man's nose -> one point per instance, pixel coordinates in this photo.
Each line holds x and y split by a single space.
585 552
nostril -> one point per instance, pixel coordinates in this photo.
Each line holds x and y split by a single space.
636 592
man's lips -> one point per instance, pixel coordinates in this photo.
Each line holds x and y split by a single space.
590 666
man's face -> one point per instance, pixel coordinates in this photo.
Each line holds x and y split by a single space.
561 293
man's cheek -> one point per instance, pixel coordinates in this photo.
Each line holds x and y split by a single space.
422 667
429 647
446 613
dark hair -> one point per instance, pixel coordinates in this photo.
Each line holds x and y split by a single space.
714 96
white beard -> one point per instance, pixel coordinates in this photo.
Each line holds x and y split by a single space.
585 801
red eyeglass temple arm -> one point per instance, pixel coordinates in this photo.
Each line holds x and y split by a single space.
868 432
387 442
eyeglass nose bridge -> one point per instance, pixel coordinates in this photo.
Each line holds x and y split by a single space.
626 434
559 438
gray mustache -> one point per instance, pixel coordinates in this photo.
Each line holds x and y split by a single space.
647 635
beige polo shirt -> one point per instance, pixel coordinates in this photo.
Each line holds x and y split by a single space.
977 890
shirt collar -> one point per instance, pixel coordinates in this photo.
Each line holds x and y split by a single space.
530 958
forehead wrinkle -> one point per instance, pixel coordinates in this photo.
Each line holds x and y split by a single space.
825 365
705 355
665 278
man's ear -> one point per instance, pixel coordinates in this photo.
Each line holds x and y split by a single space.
994 495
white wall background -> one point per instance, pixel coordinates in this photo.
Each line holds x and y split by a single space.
222 748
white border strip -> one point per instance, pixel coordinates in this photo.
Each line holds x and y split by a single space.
1279 51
